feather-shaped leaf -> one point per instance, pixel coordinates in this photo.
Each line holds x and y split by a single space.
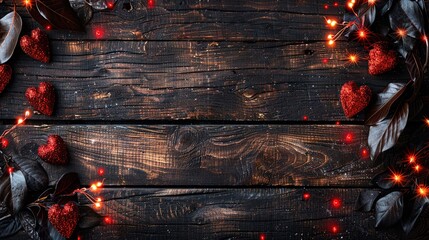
56 13
414 13
408 222
18 188
389 209
10 26
385 101
366 200
385 133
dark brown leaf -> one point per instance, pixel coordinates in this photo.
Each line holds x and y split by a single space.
67 184
59 14
410 219
385 101
385 133
366 200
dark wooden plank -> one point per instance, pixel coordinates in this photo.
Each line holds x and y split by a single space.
115 80
210 155
233 214
217 21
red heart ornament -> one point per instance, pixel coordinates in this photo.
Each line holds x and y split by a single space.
42 98
354 99
64 219
381 59
54 151
5 76
36 45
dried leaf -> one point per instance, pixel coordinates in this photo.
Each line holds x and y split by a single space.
56 14
29 223
18 188
389 209
385 101
35 175
67 184
408 222
10 27
9 226
385 133
383 180
366 200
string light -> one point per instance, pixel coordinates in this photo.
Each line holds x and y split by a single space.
397 178
422 190
350 5
27 3
4 143
108 220
100 172
150 4
334 229
305 118
262 236
362 34
306 196
349 138
10 170
364 152
401 32
353 58
411 158
417 168
371 2
336 202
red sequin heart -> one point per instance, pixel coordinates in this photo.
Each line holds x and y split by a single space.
54 151
36 45
42 98
64 219
5 76
381 59
354 99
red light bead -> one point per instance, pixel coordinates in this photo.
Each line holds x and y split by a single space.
4 143
306 196
325 60
335 229
305 118
48 27
150 4
99 33
364 152
108 220
336 4
262 237
100 172
337 123
349 137
336 202
326 6
10 170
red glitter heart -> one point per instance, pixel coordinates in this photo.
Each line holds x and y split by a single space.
5 76
64 219
354 99
36 45
381 59
54 151
42 98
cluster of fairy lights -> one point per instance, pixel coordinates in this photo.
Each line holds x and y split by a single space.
362 32
88 193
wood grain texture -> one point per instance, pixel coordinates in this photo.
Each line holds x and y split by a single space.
233 214
209 155
261 81
207 20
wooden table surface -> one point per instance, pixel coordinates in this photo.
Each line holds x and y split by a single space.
195 110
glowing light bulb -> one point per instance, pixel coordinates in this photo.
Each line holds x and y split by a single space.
371 2
100 171
334 229
350 4
20 121
331 42
97 205
27 3
422 190
27 114
397 178
99 184
94 187
411 158
336 202
362 34
108 220
401 32
10 170
353 58
417 168
306 196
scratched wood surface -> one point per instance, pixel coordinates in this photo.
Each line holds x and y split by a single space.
195 110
